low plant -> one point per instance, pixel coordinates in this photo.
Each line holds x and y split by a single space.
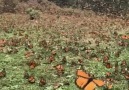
33 14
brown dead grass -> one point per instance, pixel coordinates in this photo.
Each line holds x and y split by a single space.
65 21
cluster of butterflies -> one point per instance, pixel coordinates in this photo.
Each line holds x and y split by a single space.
122 68
32 64
31 79
84 80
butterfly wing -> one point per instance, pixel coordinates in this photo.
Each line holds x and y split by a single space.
81 82
98 82
90 86
82 74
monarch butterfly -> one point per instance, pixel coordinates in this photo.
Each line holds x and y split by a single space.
60 69
121 43
125 37
31 79
108 65
28 54
42 81
108 76
51 58
105 59
32 64
85 82
3 73
2 42
108 81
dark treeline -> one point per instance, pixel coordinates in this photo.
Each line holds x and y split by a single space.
108 7
115 7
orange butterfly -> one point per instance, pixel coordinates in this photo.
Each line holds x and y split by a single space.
32 64
2 42
51 58
108 65
85 82
28 54
125 37
59 67
105 59
108 81
31 79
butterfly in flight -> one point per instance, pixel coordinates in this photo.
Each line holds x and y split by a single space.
86 82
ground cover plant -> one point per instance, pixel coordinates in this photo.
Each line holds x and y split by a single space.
46 52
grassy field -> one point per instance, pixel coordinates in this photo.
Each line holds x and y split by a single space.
76 41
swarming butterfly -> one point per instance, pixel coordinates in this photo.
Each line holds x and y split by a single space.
85 82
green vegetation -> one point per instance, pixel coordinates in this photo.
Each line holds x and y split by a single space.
33 14
31 50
